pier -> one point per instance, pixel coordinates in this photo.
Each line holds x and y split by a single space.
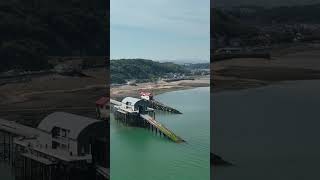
148 96
133 111
161 129
160 106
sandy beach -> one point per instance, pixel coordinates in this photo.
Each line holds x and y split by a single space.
120 92
29 102
294 62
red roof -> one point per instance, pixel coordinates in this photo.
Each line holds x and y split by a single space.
102 101
145 93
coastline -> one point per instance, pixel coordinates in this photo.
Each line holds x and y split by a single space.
295 62
291 63
158 88
29 102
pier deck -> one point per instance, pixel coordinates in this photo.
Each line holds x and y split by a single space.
160 106
151 122
161 128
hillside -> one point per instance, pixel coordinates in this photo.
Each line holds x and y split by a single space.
141 69
33 30
223 23
264 26
282 14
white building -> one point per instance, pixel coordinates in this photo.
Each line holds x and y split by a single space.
69 133
134 104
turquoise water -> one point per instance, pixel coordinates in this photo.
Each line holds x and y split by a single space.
138 154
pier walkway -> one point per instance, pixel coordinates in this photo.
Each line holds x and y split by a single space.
161 128
160 106
147 121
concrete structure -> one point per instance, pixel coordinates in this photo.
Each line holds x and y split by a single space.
69 133
63 146
134 111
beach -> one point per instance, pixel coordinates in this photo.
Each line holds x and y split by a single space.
29 102
160 87
287 63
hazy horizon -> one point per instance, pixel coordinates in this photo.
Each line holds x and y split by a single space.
176 61
264 3
160 30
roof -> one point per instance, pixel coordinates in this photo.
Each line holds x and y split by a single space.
131 100
72 122
17 129
102 101
145 93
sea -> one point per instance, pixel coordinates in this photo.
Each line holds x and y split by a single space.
138 154
268 133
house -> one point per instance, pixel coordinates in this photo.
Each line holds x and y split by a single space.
146 95
103 108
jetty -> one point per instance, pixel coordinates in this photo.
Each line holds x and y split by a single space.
137 112
148 96
156 126
160 106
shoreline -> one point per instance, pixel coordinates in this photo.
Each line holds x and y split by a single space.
240 82
29 102
158 88
290 63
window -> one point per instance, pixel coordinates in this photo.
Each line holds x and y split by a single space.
55 145
55 132
63 132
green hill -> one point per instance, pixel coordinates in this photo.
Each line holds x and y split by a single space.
33 30
141 69
228 25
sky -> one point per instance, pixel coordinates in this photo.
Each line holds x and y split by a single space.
265 3
162 30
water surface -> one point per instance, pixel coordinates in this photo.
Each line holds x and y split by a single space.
268 133
6 172
138 154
